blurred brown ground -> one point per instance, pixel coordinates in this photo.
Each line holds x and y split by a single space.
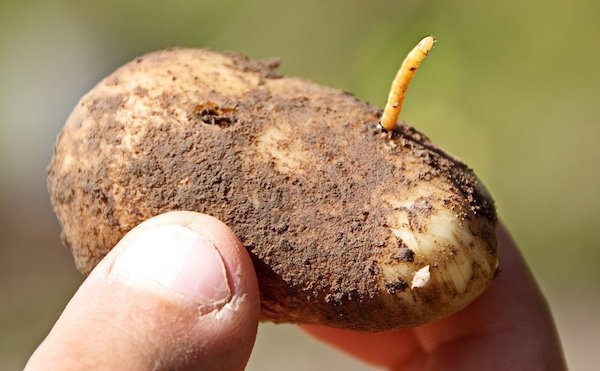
511 87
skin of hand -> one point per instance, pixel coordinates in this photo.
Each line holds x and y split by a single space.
180 292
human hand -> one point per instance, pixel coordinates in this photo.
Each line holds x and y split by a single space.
125 316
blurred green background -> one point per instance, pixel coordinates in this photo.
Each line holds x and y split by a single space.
511 87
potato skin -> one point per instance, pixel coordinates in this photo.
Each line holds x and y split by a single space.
338 215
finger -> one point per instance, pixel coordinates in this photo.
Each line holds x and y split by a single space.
379 349
177 292
509 325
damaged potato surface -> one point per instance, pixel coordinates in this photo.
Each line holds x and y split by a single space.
348 225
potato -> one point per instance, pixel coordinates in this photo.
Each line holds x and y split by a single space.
348 225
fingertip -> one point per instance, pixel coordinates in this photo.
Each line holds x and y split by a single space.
231 329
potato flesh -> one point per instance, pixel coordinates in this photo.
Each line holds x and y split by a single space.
348 226
444 234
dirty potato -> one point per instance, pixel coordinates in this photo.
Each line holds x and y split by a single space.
348 225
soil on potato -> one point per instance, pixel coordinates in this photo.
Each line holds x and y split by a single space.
309 232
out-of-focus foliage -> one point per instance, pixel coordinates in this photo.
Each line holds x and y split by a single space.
511 87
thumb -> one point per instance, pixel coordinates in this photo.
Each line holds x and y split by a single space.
177 292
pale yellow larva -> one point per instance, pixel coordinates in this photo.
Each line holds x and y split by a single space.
400 84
